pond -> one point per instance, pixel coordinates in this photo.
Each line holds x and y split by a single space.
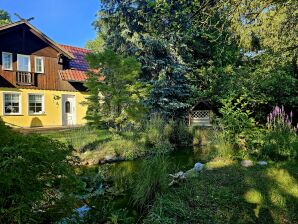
181 159
120 177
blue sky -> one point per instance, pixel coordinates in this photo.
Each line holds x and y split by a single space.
64 21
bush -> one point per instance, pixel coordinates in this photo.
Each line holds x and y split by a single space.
281 140
236 120
36 178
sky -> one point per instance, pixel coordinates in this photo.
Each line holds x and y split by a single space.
64 21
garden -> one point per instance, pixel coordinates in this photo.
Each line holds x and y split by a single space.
138 159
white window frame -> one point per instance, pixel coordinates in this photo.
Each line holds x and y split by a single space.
29 65
20 103
42 106
42 64
11 61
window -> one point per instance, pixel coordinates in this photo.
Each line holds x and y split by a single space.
36 104
6 61
67 107
39 65
12 103
24 64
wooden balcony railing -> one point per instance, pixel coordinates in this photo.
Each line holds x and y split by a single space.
25 78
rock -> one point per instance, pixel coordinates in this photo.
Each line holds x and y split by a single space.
83 210
109 157
246 163
198 167
263 163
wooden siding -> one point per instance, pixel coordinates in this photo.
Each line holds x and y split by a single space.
22 40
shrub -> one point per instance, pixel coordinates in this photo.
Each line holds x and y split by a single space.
36 178
281 140
236 119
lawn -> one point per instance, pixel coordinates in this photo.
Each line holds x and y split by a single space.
81 139
232 194
97 146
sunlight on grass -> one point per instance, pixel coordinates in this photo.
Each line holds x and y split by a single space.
253 196
80 137
220 163
276 198
284 180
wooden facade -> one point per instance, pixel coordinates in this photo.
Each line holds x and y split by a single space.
25 40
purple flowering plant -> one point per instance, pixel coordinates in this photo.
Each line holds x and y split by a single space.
279 119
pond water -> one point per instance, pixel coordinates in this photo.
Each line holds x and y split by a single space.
120 174
181 159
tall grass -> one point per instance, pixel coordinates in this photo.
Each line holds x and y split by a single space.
150 180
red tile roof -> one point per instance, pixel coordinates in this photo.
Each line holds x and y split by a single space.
73 75
79 62
78 66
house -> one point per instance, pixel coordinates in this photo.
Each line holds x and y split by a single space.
41 82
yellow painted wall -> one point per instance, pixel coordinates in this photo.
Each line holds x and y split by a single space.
53 108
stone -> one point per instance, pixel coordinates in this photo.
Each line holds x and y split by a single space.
109 157
262 163
246 163
198 167
82 211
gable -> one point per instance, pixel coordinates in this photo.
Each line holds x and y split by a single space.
23 38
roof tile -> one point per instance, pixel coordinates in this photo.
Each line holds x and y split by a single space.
78 66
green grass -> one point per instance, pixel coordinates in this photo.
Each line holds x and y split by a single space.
232 194
81 139
96 145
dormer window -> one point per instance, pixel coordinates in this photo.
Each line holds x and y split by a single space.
6 61
39 65
24 64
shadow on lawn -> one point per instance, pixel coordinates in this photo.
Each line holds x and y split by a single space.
232 194
266 194
93 145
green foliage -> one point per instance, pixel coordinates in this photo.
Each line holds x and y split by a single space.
96 45
271 25
231 194
182 134
281 140
36 178
171 41
149 181
4 18
280 145
117 100
236 119
157 134
170 95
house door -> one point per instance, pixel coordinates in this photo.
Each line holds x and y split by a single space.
68 110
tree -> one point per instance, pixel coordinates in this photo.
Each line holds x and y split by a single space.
96 45
117 100
167 38
4 17
218 47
